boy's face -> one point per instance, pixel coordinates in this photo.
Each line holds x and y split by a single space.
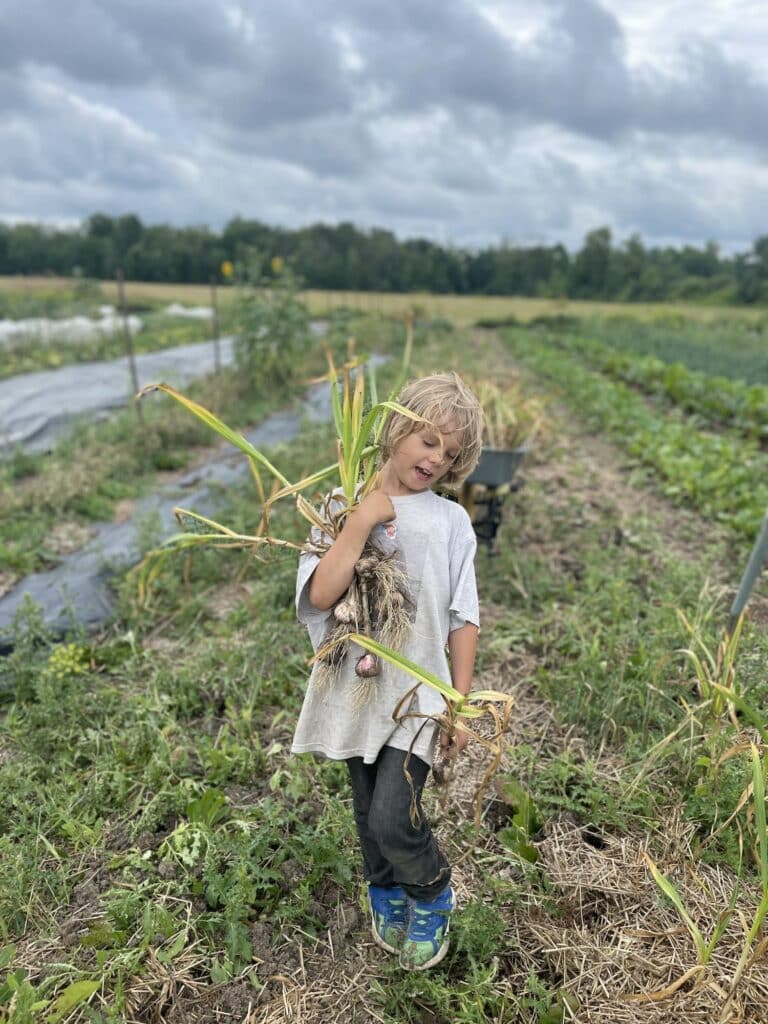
420 461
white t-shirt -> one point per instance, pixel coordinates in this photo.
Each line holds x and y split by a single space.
436 542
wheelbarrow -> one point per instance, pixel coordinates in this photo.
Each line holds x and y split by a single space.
485 489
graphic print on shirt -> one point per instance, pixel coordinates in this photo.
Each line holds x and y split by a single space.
384 536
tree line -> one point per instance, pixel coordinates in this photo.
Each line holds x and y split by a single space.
344 257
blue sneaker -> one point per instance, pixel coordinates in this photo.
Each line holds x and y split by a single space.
426 942
389 916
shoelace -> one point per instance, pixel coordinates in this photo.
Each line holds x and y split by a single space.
425 923
393 910
397 911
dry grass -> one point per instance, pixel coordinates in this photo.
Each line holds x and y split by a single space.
192 294
461 309
620 948
465 310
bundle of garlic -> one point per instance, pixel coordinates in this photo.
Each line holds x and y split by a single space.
376 604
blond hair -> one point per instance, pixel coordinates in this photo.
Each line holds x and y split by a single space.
447 404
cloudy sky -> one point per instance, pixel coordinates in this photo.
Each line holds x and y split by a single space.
464 121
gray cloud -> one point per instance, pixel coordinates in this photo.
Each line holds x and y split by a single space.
710 96
416 115
80 38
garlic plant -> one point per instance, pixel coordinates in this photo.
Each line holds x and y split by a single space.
377 602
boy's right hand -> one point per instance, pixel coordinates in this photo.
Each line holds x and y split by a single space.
376 507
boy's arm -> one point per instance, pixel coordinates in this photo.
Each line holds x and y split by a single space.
462 647
336 568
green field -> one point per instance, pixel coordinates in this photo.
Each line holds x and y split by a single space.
163 858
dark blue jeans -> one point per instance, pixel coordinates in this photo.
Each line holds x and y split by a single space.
395 852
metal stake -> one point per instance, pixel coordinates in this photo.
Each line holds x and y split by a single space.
753 570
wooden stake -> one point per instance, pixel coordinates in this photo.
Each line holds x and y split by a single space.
215 326
128 341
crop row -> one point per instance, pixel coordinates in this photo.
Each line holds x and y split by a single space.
724 476
726 347
719 400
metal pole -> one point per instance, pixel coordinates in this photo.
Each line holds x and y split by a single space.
128 340
754 568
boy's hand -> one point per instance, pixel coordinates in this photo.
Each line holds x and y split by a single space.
375 508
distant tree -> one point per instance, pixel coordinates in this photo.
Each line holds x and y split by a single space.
748 278
630 266
480 272
591 266
5 237
760 250
127 231
29 250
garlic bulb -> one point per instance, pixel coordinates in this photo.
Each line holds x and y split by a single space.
345 612
368 665
366 566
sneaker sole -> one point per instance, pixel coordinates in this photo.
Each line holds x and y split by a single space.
430 963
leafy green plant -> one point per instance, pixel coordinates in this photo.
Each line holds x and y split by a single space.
32 642
525 820
272 329
715 669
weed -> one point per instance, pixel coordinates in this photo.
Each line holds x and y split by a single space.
31 642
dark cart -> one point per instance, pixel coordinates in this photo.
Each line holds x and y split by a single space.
484 490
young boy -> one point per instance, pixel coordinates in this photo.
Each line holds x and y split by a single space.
408 877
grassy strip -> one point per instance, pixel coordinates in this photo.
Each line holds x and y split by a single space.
52 299
22 298
722 476
594 600
137 785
